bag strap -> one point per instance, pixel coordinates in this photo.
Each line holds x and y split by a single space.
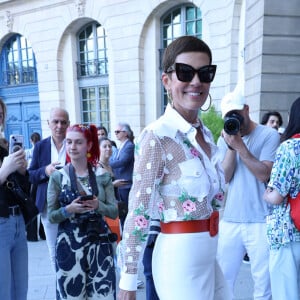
76 185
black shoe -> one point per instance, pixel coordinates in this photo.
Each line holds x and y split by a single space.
42 232
43 237
29 239
246 259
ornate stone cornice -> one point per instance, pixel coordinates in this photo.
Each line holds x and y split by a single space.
80 4
9 21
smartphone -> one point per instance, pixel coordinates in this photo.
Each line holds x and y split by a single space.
16 142
86 197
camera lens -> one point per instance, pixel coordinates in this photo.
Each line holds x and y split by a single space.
232 126
232 123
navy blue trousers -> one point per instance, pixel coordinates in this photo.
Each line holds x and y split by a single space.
147 262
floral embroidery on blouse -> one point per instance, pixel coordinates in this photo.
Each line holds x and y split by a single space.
193 150
141 221
217 202
136 148
188 204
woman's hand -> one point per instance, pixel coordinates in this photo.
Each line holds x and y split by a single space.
91 204
78 206
126 295
14 162
272 196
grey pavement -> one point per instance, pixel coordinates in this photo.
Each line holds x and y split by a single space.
42 279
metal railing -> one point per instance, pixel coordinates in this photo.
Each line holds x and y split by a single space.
92 68
18 76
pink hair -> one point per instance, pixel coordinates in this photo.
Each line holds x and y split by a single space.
90 133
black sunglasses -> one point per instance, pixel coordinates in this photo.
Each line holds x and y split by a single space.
186 73
118 131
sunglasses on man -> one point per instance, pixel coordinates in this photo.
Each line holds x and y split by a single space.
186 73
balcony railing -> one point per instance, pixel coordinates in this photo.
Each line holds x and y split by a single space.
19 76
92 68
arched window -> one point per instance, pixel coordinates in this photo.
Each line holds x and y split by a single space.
92 71
18 64
183 20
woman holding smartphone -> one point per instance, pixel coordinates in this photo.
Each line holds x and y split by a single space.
79 196
13 243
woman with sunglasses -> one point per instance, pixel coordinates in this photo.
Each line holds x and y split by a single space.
79 196
178 180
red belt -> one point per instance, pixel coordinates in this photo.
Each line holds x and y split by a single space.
211 225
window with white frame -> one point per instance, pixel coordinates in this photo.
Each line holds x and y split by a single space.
92 73
182 20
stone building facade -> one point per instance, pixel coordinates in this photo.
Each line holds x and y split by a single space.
255 42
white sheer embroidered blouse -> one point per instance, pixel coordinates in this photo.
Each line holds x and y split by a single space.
173 180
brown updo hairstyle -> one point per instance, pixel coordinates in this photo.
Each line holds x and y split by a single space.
183 44
90 133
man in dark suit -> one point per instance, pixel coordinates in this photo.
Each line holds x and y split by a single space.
122 165
48 155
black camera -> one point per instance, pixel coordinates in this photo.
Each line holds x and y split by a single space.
91 223
232 123
94 228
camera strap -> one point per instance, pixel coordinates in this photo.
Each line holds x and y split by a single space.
76 186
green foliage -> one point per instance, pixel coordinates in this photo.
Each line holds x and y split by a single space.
213 120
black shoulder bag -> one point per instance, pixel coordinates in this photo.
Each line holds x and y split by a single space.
22 194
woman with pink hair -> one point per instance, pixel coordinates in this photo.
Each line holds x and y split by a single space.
79 196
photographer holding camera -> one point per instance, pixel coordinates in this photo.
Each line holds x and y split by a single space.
248 152
79 196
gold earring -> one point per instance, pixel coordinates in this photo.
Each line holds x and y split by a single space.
169 95
210 101
88 155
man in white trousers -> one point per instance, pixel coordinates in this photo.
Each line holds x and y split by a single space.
248 151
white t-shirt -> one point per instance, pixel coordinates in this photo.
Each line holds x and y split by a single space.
244 201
